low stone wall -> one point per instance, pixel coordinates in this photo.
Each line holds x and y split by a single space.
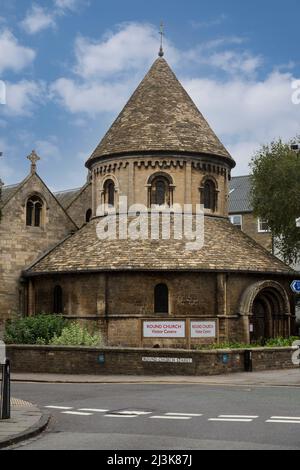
134 361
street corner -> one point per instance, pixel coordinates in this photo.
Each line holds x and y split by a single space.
27 421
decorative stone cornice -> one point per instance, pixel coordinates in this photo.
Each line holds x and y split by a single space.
204 166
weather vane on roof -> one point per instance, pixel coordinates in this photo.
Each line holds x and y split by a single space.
161 32
34 158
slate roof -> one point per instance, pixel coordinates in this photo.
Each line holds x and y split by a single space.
8 192
239 195
66 198
226 248
160 116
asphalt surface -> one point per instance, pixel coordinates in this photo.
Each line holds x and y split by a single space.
161 416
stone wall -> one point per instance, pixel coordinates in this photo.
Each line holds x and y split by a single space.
119 302
131 177
99 361
21 245
79 207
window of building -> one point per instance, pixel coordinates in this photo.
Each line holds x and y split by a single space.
34 209
57 300
88 215
209 195
237 220
160 191
109 192
262 226
161 299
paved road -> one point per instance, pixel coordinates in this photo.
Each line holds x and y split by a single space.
160 416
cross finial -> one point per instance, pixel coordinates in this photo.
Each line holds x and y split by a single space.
34 158
161 32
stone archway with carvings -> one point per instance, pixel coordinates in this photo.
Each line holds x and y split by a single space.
267 306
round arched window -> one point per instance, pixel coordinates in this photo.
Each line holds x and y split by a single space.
88 215
209 198
161 299
109 192
160 191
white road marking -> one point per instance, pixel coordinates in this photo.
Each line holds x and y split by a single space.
170 417
183 414
285 417
77 413
60 407
233 420
135 413
119 416
238 416
283 421
93 410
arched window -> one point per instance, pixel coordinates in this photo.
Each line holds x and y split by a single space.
109 192
57 300
160 191
88 215
209 198
34 209
161 299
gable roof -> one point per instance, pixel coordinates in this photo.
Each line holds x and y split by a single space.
84 252
8 192
160 116
240 194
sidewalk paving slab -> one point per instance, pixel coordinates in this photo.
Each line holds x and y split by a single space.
26 421
285 377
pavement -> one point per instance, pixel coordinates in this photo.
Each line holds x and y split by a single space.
278 378
27 420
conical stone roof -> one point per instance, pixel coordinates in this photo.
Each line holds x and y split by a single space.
160 116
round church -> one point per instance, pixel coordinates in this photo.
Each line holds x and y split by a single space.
152 291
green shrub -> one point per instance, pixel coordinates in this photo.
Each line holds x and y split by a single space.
76 335
281 342
39 329
271 343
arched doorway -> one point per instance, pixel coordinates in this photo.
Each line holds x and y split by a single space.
269 317
267 305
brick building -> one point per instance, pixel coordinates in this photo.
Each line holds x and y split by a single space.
160 150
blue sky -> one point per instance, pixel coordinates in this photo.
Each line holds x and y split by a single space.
70 65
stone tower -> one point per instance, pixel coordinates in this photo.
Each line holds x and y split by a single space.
161 143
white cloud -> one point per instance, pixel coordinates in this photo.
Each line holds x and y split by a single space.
22 97
13 56
48 149
90 98
132 47
234 62
68 4
247 113
108 70
244 111
37 19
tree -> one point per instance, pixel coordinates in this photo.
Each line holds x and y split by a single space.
276 195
